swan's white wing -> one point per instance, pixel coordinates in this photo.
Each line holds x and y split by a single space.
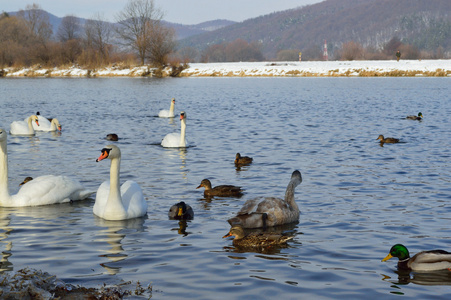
44 124
171 140
165 114
20 128
101 198
133 199
50 189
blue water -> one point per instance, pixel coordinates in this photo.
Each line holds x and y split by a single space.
357 198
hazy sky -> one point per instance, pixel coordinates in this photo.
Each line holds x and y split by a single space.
177 11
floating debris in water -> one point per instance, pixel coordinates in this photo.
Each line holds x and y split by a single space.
35 284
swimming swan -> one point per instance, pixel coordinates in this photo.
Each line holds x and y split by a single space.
24 127
46 125
176 140
114 202
42 190
269 211
168 113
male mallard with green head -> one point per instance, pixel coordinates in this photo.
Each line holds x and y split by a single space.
432 260
419 117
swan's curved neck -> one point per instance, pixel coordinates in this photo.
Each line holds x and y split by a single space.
171 108
30 125
4 192
114 209
289 194
182 133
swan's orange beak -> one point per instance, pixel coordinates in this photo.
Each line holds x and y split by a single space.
37 122
59 127
227 235
103 155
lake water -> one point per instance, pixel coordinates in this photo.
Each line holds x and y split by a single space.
357 198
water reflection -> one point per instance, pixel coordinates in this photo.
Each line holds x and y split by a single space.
114 234
5 231
442 277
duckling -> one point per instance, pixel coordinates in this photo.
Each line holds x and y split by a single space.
220 190
242 160
270 211
26 180
256 239
432 260
112 137
181 211
387 140
419 117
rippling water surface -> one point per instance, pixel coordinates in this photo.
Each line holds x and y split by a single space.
357 198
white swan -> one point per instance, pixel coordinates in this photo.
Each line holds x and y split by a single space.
114 202
176 140
168 113
42 190
24 127
46 125
269 211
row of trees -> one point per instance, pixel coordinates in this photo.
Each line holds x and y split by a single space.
138 36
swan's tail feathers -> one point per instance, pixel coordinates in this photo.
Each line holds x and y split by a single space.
81 195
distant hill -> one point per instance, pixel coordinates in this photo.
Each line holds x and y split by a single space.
182 31
422 23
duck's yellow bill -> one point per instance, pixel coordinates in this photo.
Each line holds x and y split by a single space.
387 257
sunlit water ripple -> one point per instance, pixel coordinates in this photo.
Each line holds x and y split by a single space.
357 198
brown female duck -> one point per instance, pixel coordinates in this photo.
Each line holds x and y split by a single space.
220 190
112 137
256 239
270 211
242 160
26 180
387 140
181 211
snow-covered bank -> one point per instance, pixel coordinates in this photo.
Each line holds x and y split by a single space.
260 69
324 68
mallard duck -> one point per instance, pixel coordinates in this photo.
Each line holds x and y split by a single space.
242 160
256 239
419 117
112 137
26 180
387 140
432 260
181 211
270 211
220 190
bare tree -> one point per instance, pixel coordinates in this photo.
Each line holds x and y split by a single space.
97 36
137 22
69 28
37 21
162 43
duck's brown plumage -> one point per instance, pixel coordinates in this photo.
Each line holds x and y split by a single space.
112 137
387 140
220 190
242 160
26 180
256 239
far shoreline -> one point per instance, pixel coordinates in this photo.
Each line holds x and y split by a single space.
375 68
